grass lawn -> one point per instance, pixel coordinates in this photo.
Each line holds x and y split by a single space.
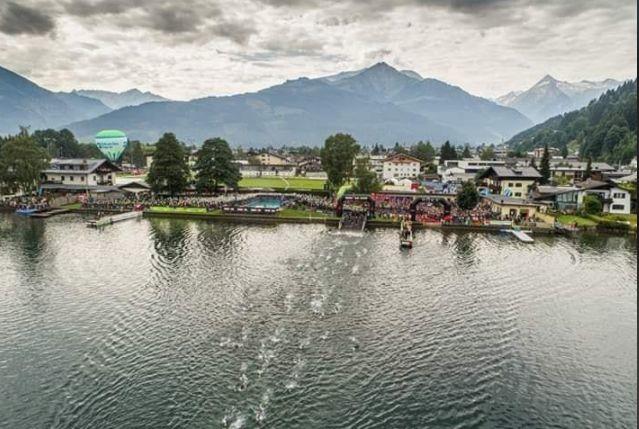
302 214
632 218
570 219
282 183
71 206
189 210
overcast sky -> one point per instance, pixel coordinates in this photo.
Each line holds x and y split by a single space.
184 49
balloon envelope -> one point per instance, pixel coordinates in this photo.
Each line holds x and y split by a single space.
111 143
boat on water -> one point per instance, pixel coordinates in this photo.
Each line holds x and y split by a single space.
405 235
29 209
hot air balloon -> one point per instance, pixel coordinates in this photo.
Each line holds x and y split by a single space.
111 143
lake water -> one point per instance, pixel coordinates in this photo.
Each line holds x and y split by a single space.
166 323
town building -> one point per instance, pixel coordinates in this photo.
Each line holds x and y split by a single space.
80 173
569 199
311 167
538 152
512 208
271 159
572 171
400 166
463 170
510 182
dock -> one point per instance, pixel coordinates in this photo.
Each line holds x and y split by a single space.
108 220
520 235
49 213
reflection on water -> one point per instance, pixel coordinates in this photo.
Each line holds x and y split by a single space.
156 323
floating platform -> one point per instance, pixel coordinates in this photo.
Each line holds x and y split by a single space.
108 220
520 235
49 213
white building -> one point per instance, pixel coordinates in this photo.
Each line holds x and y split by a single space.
272 159
462 170
400 166
615 200
80 172
375 163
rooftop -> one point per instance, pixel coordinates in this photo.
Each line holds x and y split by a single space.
501 199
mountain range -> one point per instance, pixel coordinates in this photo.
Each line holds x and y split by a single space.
117 100
550 97
378 104
24 103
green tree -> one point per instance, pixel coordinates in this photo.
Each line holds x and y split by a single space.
365 180
337 158
214 165
588 170
60 144
533 163
488 153
467 196
21 164
564 151
169 171
136 154
544 166
399 148
423 151
591 204
447 152
466 153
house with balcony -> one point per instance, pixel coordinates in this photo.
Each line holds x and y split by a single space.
400 166
514 182
572 171
79 174
569 199
463 170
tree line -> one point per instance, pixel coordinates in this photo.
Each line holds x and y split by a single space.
604 130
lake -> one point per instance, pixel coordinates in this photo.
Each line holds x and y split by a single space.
172 323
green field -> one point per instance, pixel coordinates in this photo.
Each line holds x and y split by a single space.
570 219
189 210
282 183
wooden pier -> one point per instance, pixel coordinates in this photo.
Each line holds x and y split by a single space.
108 220
520 235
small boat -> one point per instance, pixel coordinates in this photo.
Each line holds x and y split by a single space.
29 209
405 236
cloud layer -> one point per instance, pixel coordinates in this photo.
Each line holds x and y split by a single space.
193 48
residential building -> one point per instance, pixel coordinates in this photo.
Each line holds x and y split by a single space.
80 172
311 167
400 166
571 171
462 170
512 208
570 198
510 182
272 159
538 152
615 200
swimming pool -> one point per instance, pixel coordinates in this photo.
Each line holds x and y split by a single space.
264 203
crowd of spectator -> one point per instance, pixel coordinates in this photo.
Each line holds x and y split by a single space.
310 202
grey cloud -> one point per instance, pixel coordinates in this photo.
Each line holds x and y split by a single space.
171 19
86 8
237 31
19 19
378 54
